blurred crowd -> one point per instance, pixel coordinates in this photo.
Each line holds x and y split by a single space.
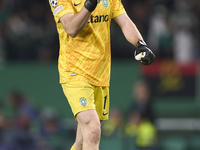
137 124
23 126
27 31
171 29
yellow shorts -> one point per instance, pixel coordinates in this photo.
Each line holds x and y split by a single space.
84 96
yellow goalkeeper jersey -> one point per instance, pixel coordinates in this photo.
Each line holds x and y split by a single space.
87 57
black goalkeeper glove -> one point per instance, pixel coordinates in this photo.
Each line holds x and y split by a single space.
143 53
91 4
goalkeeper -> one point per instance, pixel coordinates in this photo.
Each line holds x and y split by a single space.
85 60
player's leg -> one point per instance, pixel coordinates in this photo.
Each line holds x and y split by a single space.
80 96
91 129
79 139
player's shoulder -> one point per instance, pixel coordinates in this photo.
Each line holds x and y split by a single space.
55 3
115 1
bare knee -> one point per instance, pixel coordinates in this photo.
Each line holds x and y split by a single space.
94 133
90 126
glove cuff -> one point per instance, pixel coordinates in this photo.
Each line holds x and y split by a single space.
90 6
140 43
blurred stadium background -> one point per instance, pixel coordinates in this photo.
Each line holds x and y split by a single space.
34 114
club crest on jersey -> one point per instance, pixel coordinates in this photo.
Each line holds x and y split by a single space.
104 3
83 101
54 3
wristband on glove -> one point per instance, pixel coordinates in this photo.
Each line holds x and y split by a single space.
91 4
140 43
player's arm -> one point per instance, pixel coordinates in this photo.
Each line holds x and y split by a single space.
132 34
73 24
129 29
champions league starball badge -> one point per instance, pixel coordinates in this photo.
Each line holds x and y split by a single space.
54 3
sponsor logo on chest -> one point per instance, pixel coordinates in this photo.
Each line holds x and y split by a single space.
98 18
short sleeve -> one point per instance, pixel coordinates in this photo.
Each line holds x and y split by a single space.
60 8
117 8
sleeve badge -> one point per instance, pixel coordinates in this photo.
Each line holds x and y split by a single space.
54 3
